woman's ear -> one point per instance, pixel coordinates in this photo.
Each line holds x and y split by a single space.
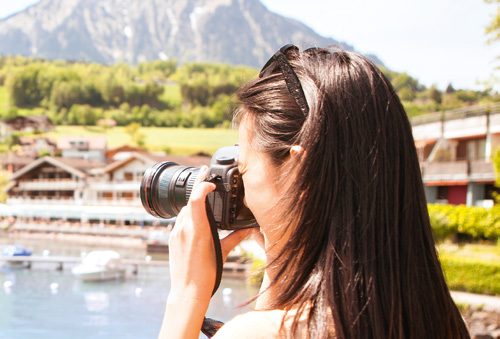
297 152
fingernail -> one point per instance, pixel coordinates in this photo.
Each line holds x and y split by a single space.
204 168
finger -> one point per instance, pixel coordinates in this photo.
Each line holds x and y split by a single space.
234 238
202 174
197 201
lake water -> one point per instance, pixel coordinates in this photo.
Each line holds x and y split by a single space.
42 302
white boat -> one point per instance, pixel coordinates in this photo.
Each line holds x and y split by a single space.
99 266
13 251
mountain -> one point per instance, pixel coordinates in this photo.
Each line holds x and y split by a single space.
109 31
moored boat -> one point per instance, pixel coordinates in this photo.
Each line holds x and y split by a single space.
100 266
14 251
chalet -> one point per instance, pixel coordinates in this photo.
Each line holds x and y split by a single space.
33 147
85 190
455 149
31 123
13 162
83 147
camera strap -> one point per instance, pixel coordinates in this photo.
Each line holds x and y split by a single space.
211 326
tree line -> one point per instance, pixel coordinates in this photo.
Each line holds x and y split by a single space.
164 93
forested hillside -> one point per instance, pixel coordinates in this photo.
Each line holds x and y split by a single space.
162 93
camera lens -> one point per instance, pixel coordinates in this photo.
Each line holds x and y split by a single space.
166 188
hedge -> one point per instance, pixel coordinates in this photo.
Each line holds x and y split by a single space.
476 222
471 275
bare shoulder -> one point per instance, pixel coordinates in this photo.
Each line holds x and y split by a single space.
255 324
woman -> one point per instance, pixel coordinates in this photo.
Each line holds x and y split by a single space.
332 177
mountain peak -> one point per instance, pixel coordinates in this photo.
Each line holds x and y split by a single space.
109 31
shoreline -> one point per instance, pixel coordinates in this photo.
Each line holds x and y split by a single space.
116 237
85 239
480 312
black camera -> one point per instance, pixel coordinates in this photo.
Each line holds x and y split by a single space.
166 188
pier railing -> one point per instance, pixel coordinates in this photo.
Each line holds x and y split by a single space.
133 232
456 114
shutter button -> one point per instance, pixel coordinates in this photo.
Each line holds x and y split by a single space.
223 160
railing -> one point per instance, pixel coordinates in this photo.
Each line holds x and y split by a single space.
132 202
114 186
481 170
51 185
138 232
43 201
462 170
456 114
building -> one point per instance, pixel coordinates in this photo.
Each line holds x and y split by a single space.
31 123
84 147
13 162
455 149
85 191
33 147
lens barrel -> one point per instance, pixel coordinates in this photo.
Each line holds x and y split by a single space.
166 188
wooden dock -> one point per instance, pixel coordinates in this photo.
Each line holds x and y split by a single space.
61 261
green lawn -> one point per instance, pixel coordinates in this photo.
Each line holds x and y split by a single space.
174 140
472 268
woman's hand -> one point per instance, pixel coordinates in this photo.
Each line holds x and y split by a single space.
193 264
191 250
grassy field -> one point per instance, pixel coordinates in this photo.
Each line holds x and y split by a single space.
471 268
173 140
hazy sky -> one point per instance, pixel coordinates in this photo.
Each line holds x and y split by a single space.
435 41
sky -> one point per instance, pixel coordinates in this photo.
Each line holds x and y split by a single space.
435 41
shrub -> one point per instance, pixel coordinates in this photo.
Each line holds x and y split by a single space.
475 222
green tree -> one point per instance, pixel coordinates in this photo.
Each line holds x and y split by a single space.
493 28
492 31
22 86
496 164
495 157
435 95
133 130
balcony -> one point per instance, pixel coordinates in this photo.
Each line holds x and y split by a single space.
51 185
117 186
445 171
460 123
43 201
125 202
461 171
481 170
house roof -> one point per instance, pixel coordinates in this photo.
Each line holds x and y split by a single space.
24 141
133 156
40 119
150 159
125 148
183 160
13 158
77 167
94 142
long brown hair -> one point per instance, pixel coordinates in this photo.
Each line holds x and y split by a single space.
361 257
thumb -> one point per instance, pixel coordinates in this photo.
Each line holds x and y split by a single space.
234 238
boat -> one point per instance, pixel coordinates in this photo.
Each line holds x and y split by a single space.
11 251
158 242
100 266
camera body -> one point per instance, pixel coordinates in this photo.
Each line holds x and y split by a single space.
166 188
